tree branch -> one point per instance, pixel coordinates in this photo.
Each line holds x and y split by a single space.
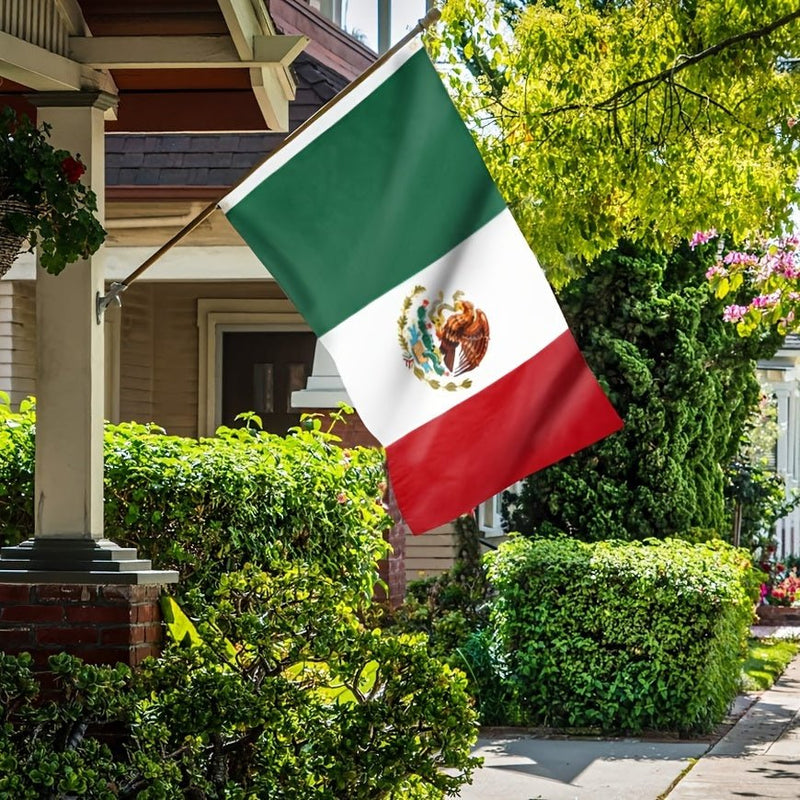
612 102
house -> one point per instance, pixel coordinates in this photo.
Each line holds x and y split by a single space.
780 376
206 333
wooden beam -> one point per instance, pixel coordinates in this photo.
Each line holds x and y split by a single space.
188 112
273 87
278 50
182 52
73 16
37 68
243 25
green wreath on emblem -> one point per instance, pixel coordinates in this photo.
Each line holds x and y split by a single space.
416 335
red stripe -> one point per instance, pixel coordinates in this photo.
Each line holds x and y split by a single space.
546 409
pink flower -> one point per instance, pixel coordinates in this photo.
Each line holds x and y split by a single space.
701 237
762 301
341 498
717 269
791 122
734 313
736 257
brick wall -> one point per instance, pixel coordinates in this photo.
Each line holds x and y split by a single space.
353 432
100 624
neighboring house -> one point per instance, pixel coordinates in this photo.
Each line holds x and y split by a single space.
206 333
781 376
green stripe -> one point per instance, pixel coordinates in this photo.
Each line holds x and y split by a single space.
391 187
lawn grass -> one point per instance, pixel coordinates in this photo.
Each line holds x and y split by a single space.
766 660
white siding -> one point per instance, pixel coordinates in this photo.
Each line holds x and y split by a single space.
18 339
431 553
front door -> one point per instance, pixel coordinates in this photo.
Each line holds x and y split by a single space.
260 370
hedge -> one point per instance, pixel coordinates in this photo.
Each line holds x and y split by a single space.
209 506
621 636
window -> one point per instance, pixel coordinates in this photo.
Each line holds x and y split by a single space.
215 318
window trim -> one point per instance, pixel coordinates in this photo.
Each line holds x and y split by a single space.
216 316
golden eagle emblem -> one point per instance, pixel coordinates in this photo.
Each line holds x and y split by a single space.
441 341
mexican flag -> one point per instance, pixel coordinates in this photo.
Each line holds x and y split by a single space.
384 228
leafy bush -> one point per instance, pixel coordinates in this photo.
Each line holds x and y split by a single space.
452 610
46 750
209 506
280 693
619 636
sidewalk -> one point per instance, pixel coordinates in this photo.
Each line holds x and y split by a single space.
759 757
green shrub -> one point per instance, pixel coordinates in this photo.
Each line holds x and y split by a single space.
452 611
282 695
622 636
209 506
47 749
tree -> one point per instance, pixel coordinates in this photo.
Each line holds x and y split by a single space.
642 120
682 380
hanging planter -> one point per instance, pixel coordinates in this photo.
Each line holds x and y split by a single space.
43 203
10 243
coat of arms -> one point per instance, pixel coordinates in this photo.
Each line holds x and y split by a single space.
441 341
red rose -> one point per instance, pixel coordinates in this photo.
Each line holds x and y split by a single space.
73 169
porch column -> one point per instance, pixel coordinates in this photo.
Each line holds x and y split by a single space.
68 545
70 348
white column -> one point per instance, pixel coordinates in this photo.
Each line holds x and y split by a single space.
384 25
70 359
324 387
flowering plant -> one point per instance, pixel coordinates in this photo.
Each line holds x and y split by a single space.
769 271
42 200
782 584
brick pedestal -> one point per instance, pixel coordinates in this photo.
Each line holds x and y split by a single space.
100 624
778 615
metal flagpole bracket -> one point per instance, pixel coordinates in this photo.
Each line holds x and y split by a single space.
112 297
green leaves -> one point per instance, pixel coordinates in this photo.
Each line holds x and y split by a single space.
622 637
310 703
208 506
682 380
588 145
53 210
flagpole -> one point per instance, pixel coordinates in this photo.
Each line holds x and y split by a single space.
118 287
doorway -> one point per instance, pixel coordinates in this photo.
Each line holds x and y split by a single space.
260 370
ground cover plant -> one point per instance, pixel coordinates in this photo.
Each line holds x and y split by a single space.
275 685
765 662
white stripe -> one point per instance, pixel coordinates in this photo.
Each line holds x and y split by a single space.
323 123
497 272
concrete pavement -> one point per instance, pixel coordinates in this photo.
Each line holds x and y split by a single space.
526 768
758 757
